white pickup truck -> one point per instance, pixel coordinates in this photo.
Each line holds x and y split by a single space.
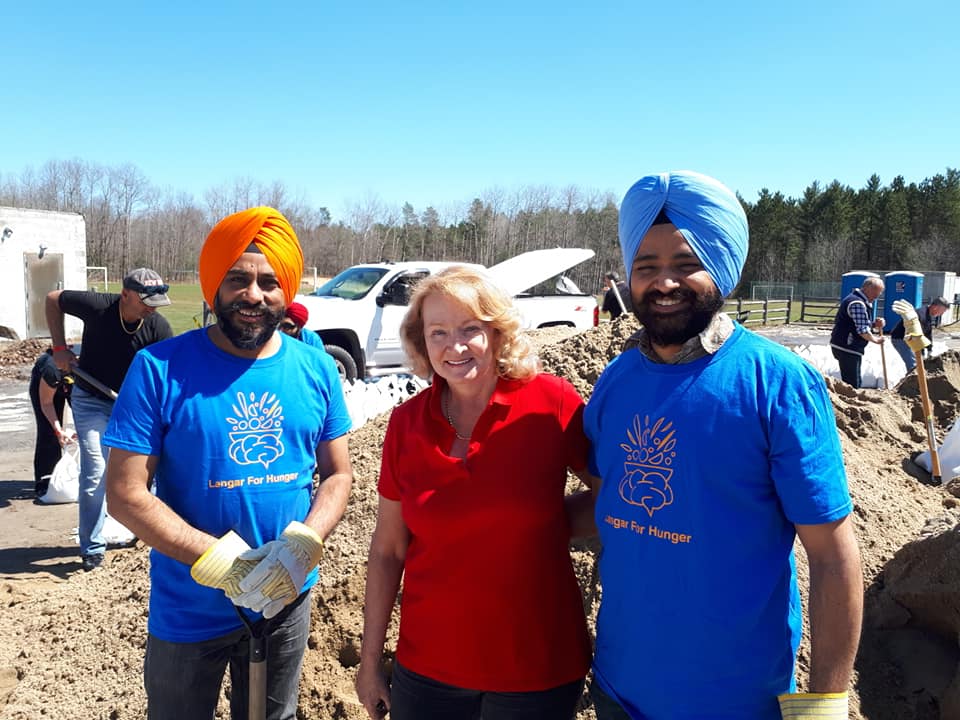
358 312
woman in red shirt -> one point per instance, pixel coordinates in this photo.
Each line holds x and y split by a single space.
474 517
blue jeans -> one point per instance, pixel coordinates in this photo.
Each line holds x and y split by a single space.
905 353
605 706
183 680
416 697
90 415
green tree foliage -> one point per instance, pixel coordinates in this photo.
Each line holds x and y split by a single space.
817 237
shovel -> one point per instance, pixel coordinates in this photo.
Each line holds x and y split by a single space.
87 377
883 359
257 670
616 293
928 416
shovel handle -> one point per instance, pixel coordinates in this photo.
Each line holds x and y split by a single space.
257 668
928 418
883 360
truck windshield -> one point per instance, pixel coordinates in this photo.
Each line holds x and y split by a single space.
352 284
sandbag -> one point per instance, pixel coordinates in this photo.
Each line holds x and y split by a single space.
115 533
949 454
64 484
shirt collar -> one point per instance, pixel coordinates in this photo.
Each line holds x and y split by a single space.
721 327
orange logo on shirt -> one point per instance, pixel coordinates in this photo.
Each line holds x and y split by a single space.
646 469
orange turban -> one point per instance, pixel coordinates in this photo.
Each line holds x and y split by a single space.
229 239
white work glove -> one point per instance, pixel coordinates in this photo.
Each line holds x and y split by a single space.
813 706
912 332
282 567
222 567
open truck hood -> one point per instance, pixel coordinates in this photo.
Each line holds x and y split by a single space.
523 271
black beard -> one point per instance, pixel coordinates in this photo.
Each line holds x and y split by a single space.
677 328
241 335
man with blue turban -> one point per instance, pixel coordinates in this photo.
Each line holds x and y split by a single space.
229 423
715 448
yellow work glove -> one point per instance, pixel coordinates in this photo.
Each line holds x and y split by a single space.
221 566
813 706
282 567
912 332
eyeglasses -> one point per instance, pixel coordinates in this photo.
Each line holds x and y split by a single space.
146 289
289 327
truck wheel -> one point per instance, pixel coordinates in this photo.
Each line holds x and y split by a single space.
345 363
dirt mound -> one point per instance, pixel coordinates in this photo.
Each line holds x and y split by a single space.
17 357
73 642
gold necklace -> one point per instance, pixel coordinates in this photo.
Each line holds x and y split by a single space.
446 411
123 324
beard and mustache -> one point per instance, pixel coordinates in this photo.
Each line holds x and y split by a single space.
247 336
677 327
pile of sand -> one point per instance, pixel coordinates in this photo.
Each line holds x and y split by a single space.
73 648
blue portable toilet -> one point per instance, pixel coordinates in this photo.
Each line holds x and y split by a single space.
853 280
900 285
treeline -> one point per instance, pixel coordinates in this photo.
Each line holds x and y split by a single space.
817 237
832 230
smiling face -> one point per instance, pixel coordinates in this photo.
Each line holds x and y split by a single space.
459 346
249 303
673 295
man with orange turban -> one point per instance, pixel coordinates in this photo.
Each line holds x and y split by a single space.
230 422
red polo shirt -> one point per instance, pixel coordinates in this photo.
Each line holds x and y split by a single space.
490 601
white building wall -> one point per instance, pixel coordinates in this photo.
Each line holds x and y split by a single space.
24 232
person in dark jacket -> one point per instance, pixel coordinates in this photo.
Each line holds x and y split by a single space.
616 297
852 329
927 315
49 391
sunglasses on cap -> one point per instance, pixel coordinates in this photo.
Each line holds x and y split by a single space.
146 289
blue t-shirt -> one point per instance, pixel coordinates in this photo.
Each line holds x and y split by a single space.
706 467
309 337
236 445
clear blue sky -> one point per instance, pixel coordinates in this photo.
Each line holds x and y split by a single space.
438 102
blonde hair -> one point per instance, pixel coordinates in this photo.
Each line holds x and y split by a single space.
514 353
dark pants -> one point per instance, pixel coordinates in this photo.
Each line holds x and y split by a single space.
605 706
415 697
849 367
183 680
46 451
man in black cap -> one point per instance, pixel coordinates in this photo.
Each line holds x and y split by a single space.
115 327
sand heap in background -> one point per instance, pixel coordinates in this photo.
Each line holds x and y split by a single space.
74 649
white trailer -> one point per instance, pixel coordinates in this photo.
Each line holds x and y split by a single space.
40 251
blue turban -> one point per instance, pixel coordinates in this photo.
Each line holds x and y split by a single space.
705 212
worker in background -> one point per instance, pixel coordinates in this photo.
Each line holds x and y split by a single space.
853 328
616 297
926 315
49 392
294 324
115 328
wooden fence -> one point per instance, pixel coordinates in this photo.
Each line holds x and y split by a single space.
819 310
814 310
759 312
